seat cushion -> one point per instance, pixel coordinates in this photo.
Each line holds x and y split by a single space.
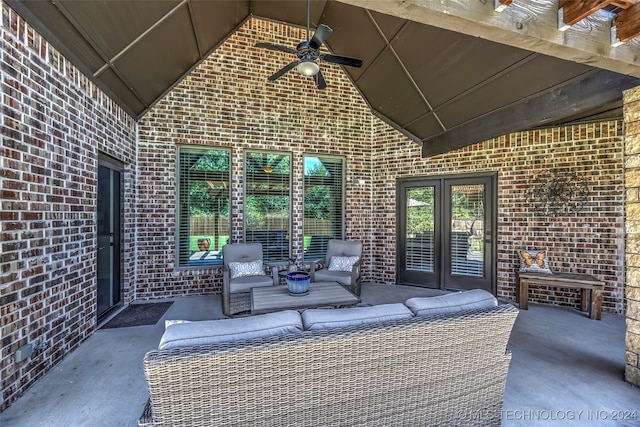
318 318
186 333
324 275
475 299
245 283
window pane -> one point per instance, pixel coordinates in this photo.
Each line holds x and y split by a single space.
323 204
267 203
467 230
420 226
203 205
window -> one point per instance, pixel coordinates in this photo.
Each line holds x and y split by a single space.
323 204
268 202
203 205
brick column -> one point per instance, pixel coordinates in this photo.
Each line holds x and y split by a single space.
632 225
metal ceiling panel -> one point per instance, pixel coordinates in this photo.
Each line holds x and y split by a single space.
354 34
426 126
120 92
54 26
389 25
534 76
449 64
112 25
390 91
160 58
215 20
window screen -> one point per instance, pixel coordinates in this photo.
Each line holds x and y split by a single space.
203 205
323 204
267 202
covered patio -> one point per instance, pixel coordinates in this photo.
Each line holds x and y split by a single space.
448 91
572 377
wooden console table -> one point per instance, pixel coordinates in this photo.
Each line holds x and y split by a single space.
584 282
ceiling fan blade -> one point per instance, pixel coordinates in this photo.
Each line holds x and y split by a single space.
342 60
320 80
277 47
283 70
320 36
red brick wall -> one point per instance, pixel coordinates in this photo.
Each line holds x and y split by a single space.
54 122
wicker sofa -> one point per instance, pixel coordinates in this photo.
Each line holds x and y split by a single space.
422 370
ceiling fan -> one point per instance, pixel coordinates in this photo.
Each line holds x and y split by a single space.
308 52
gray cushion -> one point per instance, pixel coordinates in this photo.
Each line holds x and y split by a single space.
241 252
315 319
185 333
244 284
475 299
325 275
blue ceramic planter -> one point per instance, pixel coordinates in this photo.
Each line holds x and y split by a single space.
298 283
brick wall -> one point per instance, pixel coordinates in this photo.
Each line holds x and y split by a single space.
632 183
54 122
227 102
591 242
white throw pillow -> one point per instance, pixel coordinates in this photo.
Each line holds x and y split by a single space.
342 263
241 269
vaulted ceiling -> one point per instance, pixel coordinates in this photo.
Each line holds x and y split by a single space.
446 73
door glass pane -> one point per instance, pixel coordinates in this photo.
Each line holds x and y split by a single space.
420 225
467 230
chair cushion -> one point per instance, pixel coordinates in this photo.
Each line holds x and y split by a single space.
242 269
318 318
245 283
475 299
325 275
342 263
186 333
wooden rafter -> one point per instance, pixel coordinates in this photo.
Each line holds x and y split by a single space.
627 23
573 11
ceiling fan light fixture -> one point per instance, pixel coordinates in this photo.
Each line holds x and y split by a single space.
308 67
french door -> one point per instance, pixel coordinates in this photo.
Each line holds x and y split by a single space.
447 232
108 260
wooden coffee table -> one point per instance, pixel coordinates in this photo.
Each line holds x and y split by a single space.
274 298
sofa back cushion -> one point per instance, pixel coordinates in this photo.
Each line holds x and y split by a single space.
320 318
475 299
187 333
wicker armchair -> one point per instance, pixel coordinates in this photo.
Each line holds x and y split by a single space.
352 279
236 290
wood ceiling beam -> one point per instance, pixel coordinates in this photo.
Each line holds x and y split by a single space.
627 23
530 25
590 90
575 11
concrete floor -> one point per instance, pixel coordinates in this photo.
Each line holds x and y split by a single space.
567 370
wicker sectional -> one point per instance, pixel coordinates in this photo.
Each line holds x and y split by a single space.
423 371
